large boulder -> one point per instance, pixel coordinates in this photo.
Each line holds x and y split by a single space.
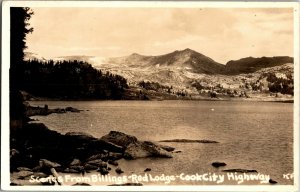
119 138
145 149
90 143
134 148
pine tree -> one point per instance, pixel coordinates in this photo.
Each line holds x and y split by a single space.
19 18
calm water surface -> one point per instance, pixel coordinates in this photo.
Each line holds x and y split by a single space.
252 135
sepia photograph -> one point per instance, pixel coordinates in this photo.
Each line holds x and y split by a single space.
150 95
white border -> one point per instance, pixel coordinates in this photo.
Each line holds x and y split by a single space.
5 176
296 94
147 4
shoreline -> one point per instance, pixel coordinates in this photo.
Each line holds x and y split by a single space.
259 97
251 99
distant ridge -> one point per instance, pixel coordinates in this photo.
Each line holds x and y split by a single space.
198 63
250 64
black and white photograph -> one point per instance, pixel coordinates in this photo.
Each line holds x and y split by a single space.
150 95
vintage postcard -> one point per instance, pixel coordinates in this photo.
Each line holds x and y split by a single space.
159 96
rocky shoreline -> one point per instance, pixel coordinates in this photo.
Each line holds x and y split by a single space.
40 156
43 111
37 151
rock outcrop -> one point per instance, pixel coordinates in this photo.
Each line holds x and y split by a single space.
189 141
32 111
133 148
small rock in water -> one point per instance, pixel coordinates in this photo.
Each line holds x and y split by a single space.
272 181
119 170
115 163
240 170
147 169
103 165
218 164
103 171
115 156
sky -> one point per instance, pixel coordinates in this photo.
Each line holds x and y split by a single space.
222 34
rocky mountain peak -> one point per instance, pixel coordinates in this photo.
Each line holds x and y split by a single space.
135 54
186 51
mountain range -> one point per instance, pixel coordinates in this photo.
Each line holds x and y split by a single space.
188 70
198 63
187 59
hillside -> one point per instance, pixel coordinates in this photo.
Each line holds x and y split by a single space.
250 64
196 75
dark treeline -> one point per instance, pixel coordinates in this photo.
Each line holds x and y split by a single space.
154 86
279 84
70 80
